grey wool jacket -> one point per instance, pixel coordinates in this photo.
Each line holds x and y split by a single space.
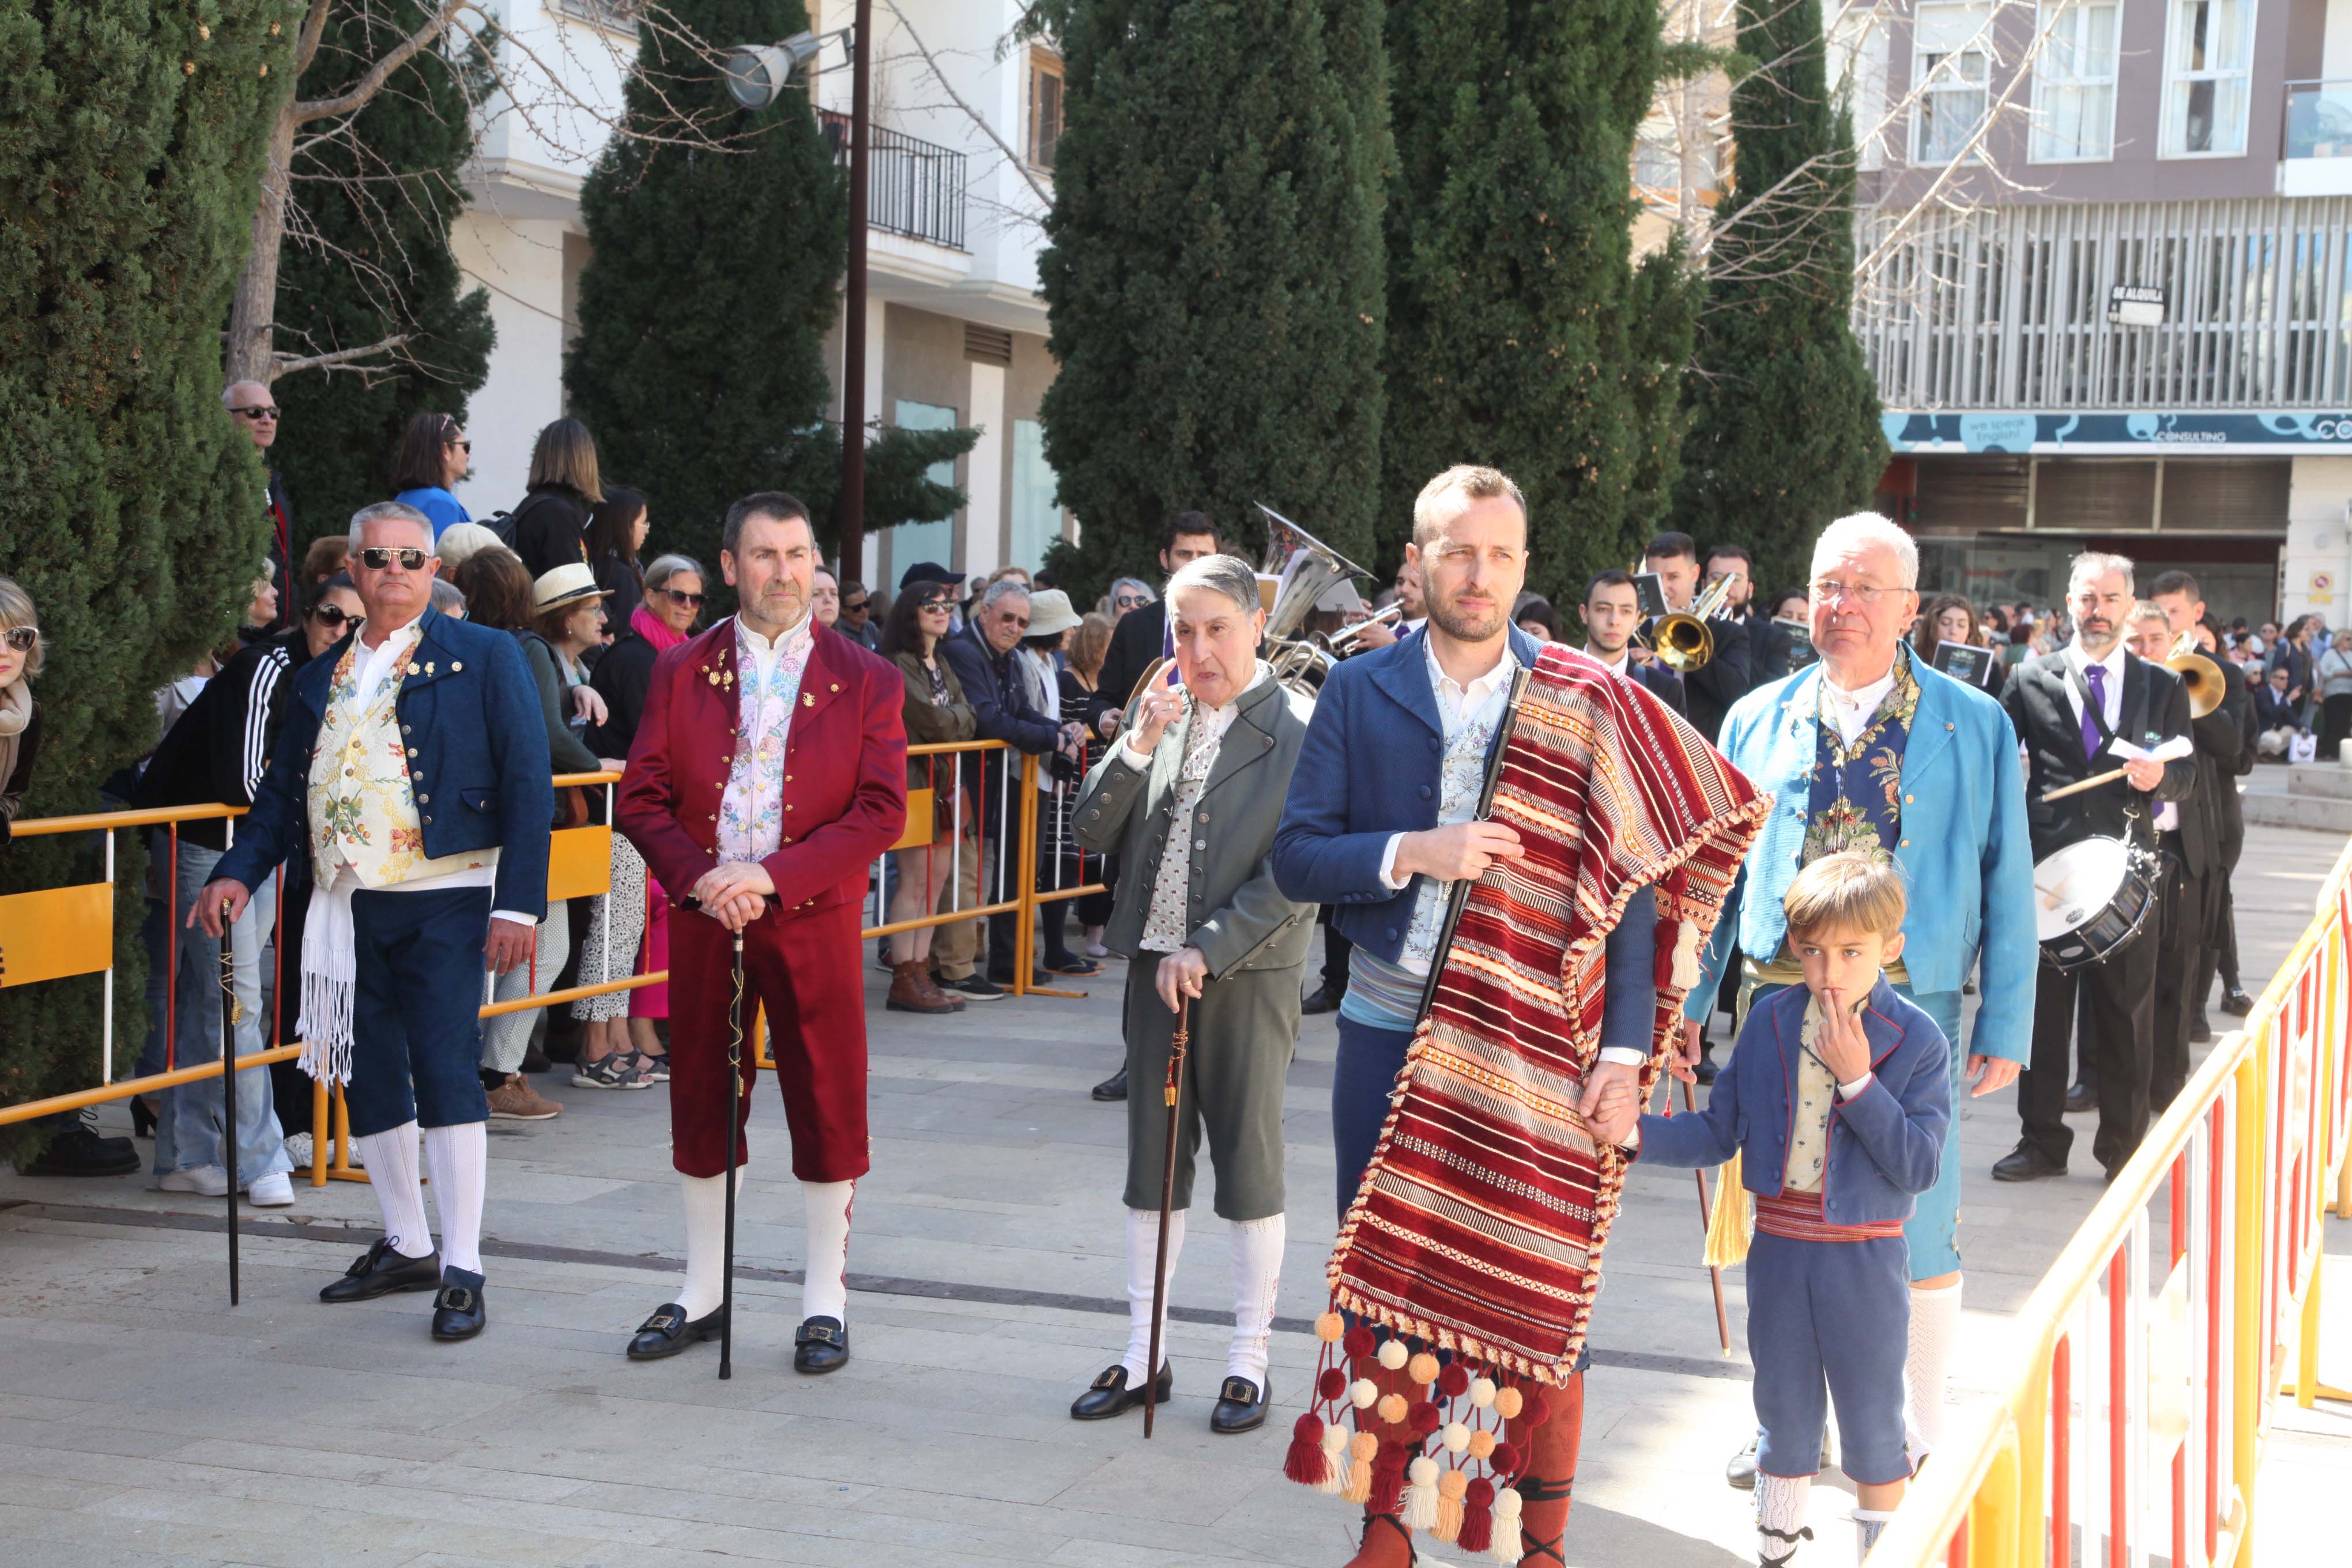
1238 918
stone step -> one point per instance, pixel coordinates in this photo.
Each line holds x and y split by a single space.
2332 779
2273 808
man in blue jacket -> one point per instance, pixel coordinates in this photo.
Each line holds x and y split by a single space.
1872 750
412 778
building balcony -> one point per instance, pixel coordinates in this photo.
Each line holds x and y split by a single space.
914 188
2316 160
2120 307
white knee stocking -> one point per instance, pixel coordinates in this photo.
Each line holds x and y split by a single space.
390 1161
459 1160
706 1241
1257 1274
1868 1526
1935 1335
1781 1516
824 1282
1142 1251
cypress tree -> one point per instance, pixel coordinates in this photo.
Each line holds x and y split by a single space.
1785 431
1520 332
717 257
367 258
1215 273
133 511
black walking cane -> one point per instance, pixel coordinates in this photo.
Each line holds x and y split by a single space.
734 1144
230 1016
1178 1047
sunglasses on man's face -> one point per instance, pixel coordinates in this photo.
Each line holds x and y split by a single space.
380 557
680 597
853 607
332 616
260 411
22 640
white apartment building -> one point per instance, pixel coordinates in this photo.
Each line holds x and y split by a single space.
964 126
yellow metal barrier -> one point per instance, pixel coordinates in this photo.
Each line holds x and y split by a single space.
2146 1366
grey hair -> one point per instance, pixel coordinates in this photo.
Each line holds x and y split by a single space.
386 512
2098 563
1150 596
1862 529
448 599
1228 575
1002 589
666 567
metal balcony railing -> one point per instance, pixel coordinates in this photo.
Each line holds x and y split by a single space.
2319 119
914 187
2008 308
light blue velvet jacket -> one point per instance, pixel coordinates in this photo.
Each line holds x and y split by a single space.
1964 854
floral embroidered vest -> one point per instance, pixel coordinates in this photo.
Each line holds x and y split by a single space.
751 807
1857 790
363 813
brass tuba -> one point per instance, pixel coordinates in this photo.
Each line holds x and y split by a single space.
1303 569
2200 676
1683 641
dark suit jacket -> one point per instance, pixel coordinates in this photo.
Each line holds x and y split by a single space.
1135 642
845 782
1770 651
2155 708
2211 821
1663 684
478 739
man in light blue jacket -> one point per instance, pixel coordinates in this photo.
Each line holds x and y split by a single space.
1872 750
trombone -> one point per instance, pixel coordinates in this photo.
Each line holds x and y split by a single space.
1683 641
2199 676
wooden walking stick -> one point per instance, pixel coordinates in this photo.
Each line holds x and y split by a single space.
1173 1090
734 1145
230 1012
1706 1222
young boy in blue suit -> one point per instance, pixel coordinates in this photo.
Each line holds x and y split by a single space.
1838 1099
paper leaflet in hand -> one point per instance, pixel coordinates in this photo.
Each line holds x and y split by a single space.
2171 750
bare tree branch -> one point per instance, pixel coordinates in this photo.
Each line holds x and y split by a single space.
930 62
368 85
341 359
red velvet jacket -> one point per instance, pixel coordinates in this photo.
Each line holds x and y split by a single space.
844 770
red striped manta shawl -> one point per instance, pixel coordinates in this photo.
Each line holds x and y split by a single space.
1480 1221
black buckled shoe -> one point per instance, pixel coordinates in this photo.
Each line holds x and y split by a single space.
821 1346
380 1271
1241 1407
668 1331
458 1312
1109 1395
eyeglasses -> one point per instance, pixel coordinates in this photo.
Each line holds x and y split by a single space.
942 604
680 597
463 446
258 412
332 616
1829 593
380 557
22 640
1130 601
850 608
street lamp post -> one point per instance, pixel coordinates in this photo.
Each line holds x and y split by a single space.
757 75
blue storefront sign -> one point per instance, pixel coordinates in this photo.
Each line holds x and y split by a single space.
2241 434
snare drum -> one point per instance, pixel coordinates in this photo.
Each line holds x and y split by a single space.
2089 899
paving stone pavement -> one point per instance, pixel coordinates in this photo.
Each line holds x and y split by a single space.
144 1421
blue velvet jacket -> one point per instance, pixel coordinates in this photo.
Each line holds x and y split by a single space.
1966 853
479 743
1885 1145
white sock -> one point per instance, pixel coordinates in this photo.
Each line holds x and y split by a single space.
706 1241
459 1160
1257 1274
1142 1251
1935 1335
825 1280
1868 1524
1781 1516
391 1162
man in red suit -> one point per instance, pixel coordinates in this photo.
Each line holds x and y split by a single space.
769 771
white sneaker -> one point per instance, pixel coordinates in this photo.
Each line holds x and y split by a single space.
205 1180
298 1148
271 1192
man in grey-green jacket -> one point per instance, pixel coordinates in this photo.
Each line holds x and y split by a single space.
1189 800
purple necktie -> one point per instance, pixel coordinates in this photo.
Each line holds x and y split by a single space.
2095 708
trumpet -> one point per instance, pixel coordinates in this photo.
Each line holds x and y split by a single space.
2199 675
1684 640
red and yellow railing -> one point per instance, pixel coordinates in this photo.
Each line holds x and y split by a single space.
59 932
2140 1390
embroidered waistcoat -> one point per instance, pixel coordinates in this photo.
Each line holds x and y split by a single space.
363 813
1857 790
751 807
1165 923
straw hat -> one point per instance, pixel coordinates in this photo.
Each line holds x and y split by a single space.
1050 613
572 584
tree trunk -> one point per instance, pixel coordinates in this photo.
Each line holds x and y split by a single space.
251 344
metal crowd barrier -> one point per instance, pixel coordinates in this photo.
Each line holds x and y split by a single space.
59 933
2138 1396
